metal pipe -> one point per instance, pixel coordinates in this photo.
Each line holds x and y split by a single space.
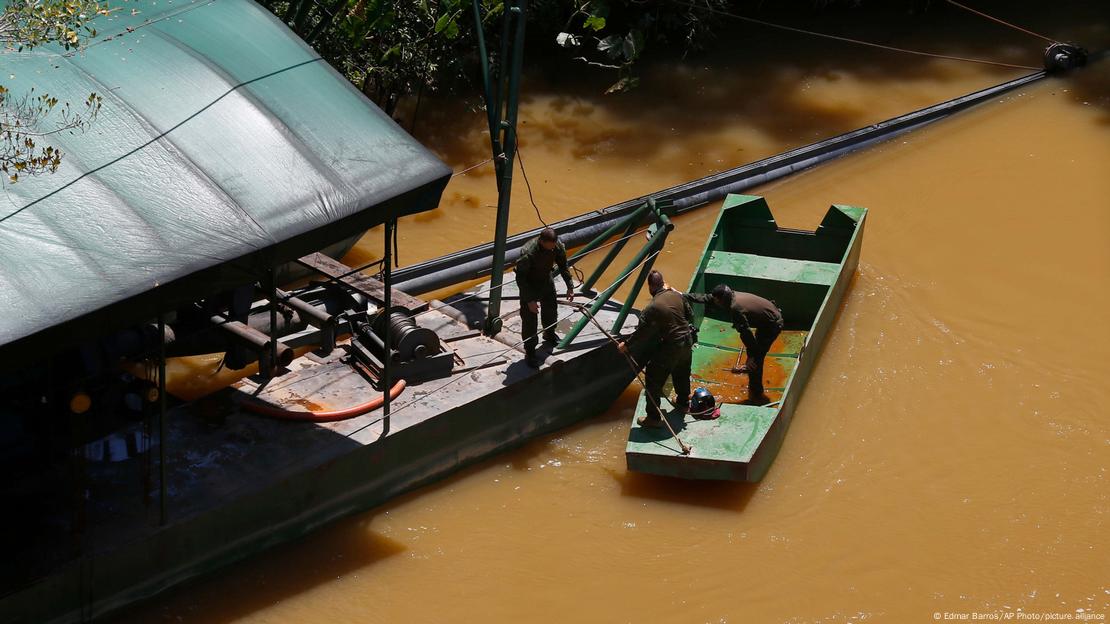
314 316
607 234
387 368
630 300
589 282
474 263
162 423
504 191
498 85
272 366
606 294
256 341
495 143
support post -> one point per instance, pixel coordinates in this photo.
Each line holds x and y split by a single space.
491 114
387 369
589 282
162 436
271 294
607 234
632 294
604 296
505 171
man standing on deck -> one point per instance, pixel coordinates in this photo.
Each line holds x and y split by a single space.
665 325
537 289
748 312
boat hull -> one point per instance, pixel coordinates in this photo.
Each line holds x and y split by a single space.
749 252
248 483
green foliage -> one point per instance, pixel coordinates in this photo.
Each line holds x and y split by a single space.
613 34
27 24
391 48
27 119
394 48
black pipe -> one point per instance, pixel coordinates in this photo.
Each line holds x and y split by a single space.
476 262
387 353
271 353
320 319
163 436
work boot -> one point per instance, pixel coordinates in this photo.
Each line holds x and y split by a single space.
531 360
650 422
550 337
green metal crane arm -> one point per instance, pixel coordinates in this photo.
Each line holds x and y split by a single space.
655 242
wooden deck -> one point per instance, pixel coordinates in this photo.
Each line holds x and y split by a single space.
239 482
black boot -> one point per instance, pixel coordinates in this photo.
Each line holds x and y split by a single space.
531 360
550 337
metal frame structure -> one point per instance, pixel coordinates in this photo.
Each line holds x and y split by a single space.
501 109
656 237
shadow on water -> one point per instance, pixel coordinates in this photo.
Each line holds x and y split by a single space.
781 85
753 74
724 495
1090 87
341 548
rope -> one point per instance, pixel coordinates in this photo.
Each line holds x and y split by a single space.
856 41
520 159
503 351
995 19
471 168
492 288
636 370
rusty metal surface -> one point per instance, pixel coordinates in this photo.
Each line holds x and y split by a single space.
238 482
360 283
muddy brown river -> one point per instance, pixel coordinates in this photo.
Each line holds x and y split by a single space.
949 456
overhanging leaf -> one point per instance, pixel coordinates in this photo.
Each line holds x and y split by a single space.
611 45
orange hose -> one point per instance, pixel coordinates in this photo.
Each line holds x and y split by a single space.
329 416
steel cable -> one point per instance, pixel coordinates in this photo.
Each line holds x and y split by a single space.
856 41
503 351
1004 23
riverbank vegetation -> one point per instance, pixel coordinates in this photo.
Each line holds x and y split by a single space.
393 49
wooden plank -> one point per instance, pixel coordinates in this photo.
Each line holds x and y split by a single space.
775 269
360 283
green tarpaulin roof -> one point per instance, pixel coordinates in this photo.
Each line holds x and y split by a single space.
224 145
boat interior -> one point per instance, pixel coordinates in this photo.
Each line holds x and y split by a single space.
794 268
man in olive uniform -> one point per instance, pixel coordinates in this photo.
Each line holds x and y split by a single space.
665 326
748 312
537 288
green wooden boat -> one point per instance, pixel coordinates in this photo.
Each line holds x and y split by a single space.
806 274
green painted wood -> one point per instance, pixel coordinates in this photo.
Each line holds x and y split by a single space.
768 268
731 440
721 334
749 252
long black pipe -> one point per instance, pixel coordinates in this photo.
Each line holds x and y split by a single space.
476 262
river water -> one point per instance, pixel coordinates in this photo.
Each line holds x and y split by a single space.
950 452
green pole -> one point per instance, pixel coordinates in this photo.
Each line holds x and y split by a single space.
607 234
589 282
491 119
497 277
608 292
500 86
638 285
